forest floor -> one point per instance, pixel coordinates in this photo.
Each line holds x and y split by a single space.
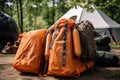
7 72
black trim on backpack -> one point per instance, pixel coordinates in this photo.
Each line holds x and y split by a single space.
64 44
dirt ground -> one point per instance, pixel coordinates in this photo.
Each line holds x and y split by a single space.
7 72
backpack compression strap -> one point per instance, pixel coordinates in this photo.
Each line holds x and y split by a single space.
64 43
64 39
55 35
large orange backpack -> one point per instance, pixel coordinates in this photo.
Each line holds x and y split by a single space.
60 51
30 54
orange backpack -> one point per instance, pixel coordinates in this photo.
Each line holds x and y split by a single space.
29 57
60 51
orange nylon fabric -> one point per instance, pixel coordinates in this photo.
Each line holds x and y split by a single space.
30 52
47 47
62 23
55 60
77 43
73 67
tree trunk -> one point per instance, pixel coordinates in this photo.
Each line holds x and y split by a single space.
21 15
53 12
18 15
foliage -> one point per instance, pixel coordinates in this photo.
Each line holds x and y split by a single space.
110 7
114 74
39 14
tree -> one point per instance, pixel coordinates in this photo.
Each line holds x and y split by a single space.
2 4
37 14
20 14
110 7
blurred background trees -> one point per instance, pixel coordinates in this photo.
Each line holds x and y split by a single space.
37 14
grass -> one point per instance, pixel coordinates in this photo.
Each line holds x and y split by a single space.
114 74
115 46
6 55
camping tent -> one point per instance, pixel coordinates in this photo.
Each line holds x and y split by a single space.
101 22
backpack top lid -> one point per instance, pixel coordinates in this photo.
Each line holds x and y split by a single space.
62 21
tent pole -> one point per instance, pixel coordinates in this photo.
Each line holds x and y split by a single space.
81 14
113 35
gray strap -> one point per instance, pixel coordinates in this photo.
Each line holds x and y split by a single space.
64 44
55 35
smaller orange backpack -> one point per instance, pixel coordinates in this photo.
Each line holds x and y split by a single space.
30 54
60 51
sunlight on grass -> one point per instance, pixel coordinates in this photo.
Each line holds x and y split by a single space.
114 74
117 46
6 55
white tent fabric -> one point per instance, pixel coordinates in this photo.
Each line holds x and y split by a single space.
97 17
100 20
73 12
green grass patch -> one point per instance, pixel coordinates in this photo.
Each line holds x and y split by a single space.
7 55
116 46
114 74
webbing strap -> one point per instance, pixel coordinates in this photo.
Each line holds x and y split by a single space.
55 35
64 44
